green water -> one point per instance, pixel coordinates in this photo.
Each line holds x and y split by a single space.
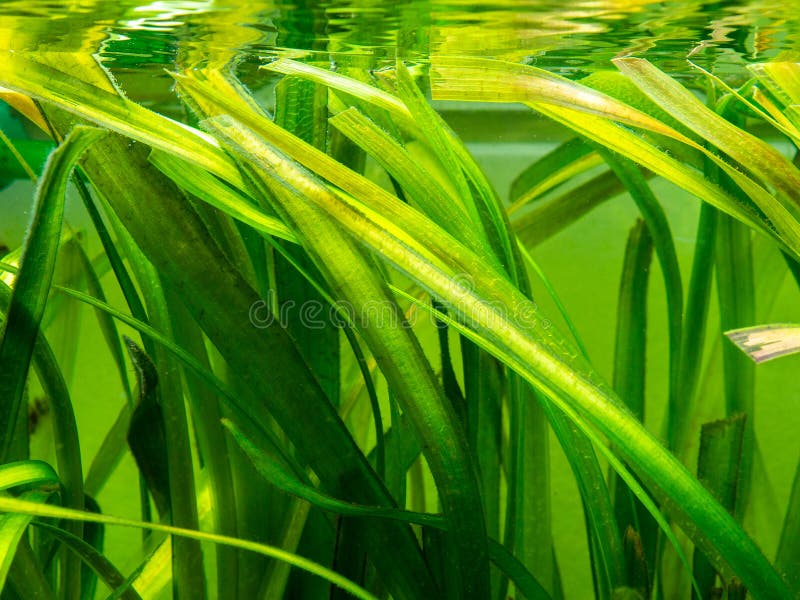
139 43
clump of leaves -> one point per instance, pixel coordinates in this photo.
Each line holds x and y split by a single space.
402 459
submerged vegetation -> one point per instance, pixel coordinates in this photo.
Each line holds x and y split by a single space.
336 380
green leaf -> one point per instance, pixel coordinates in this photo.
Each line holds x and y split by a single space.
208 188
92 557
25 74
719 469
284 480
661 235
542 222
32 284
600 118
27 473
34 508
787 557
399 354
12 529
423 189
754 154
551 171
765 342
630 350
24 474
694 326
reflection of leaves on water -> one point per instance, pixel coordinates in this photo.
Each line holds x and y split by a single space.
37 409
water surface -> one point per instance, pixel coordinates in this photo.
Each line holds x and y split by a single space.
574 38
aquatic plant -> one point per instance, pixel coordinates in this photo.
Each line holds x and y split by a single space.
337 352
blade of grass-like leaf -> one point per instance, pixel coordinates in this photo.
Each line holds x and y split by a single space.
773 116
616 463
358 353
765 342
344 84
680 483
105 463
410 377
694 327
27 472
12 528
780 121
787 558
220 301
483 392
736 293
129 291
301 107
68 451
607 554
33 281
428 120
276 474
96 560
23 474
483 205
25 106
18 158
380 443
544 221
781 78
422 188
446 145
107 325
286 482
500 81
529 356
213 447
209 189
21 328
39 509
555 168
661 235
630 344
592 114
780 222
523 580
26 75
187 557
751 152
630 349
719 469
528 509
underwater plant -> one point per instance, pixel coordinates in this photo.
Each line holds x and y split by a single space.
342 383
